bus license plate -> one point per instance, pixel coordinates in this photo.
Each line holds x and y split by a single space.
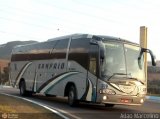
125 100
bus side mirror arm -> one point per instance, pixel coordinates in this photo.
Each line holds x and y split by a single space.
151 54
153 58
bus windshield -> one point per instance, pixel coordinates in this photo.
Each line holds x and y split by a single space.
121 60
132 63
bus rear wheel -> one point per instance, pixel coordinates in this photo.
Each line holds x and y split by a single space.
22 87
72 97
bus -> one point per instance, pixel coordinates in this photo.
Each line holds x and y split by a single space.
83 67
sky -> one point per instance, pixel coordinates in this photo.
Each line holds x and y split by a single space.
44 19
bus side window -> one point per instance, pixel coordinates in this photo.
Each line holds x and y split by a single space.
92 65
93 59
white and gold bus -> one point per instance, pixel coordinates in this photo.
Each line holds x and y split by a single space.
82 67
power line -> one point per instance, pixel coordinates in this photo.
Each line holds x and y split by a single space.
69 10
19 35
50 17
20 21
79 12
20 12
80 25
68 28
75 25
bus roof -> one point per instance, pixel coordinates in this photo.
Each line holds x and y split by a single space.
100 37
111 38
78 35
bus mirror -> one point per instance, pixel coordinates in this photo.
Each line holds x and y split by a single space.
102 57
154 62
102 50
93 42
139 63
102 54
151 54
153 58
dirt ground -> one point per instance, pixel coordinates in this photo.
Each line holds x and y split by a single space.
13 108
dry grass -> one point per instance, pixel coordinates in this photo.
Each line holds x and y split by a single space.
23 109
3 63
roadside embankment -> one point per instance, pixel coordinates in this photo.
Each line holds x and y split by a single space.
12 107
153 98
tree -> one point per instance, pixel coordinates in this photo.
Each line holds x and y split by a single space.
5 74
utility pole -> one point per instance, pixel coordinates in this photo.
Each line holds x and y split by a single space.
143 44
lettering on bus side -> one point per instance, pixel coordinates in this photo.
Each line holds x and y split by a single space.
51 65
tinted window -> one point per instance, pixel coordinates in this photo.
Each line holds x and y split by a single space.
79 51
44 47
93 59
61 46
60 49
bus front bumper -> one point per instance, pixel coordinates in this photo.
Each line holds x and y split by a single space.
122 99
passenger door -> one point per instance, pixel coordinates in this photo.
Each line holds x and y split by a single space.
93 70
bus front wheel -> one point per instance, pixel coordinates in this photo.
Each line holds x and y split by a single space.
72 96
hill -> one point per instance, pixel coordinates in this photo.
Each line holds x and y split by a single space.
6 49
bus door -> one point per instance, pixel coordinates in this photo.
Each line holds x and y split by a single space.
93 70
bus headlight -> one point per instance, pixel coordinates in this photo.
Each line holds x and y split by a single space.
107 91
141 101
104 97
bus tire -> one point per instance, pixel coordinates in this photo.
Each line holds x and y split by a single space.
109 105
72 96
22 87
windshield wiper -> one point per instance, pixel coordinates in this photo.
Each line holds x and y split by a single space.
132 78
116 74
137 80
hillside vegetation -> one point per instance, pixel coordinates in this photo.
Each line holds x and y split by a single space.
5 55
6 49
